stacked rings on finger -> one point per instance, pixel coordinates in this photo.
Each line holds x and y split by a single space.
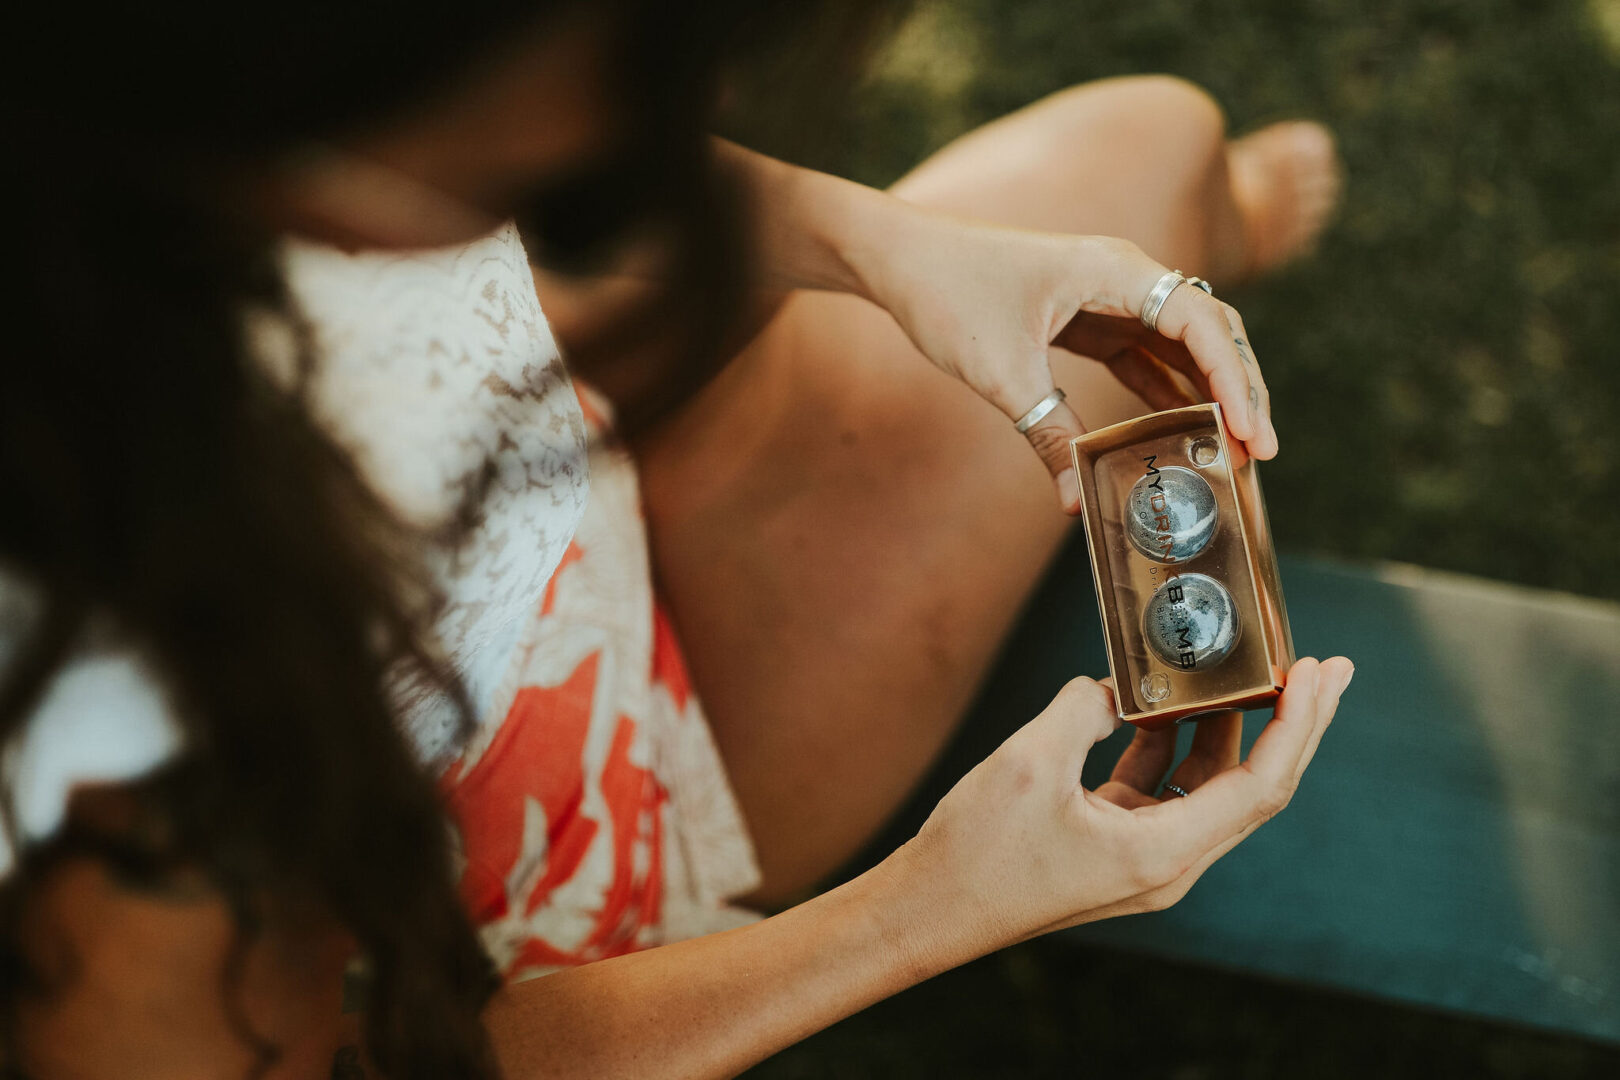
1038 411
1161 291
1177 790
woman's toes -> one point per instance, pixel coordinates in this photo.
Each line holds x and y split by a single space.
1286 180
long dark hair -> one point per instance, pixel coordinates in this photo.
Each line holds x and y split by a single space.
160 487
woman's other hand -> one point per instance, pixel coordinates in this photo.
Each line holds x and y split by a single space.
1019 847
984 303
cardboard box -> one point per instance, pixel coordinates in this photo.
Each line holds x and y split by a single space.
1185 568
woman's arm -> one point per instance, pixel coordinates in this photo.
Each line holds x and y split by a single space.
984 303
714 1005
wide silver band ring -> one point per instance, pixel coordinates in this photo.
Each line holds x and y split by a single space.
1161 292
1167 284
1038 412
1176 790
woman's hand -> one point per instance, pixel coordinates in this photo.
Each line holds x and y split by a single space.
1019 847
984 303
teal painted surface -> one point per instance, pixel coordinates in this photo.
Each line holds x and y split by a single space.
1457 841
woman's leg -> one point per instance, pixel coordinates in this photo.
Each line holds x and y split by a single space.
845 534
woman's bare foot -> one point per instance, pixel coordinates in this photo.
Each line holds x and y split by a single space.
1286 180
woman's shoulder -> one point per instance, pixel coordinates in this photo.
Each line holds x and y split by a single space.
104 717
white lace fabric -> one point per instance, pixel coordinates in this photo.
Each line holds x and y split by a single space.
439 365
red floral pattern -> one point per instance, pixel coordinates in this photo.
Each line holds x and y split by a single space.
594 818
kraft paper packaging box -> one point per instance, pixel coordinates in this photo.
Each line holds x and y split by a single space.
1185 569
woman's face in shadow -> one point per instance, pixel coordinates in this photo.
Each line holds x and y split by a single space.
447 172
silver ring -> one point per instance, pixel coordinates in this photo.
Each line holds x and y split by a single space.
1038 412
1156 297
1176 790
1200 283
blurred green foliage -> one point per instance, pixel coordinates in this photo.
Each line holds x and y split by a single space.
1446 369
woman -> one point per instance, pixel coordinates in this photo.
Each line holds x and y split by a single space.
231 685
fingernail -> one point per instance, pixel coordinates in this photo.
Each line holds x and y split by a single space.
1348 676
1069 488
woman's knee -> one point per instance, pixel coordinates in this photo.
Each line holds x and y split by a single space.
1165 116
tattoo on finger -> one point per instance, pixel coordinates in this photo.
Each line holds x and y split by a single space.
1243 351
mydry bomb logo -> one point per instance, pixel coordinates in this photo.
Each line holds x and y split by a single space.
1159 503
